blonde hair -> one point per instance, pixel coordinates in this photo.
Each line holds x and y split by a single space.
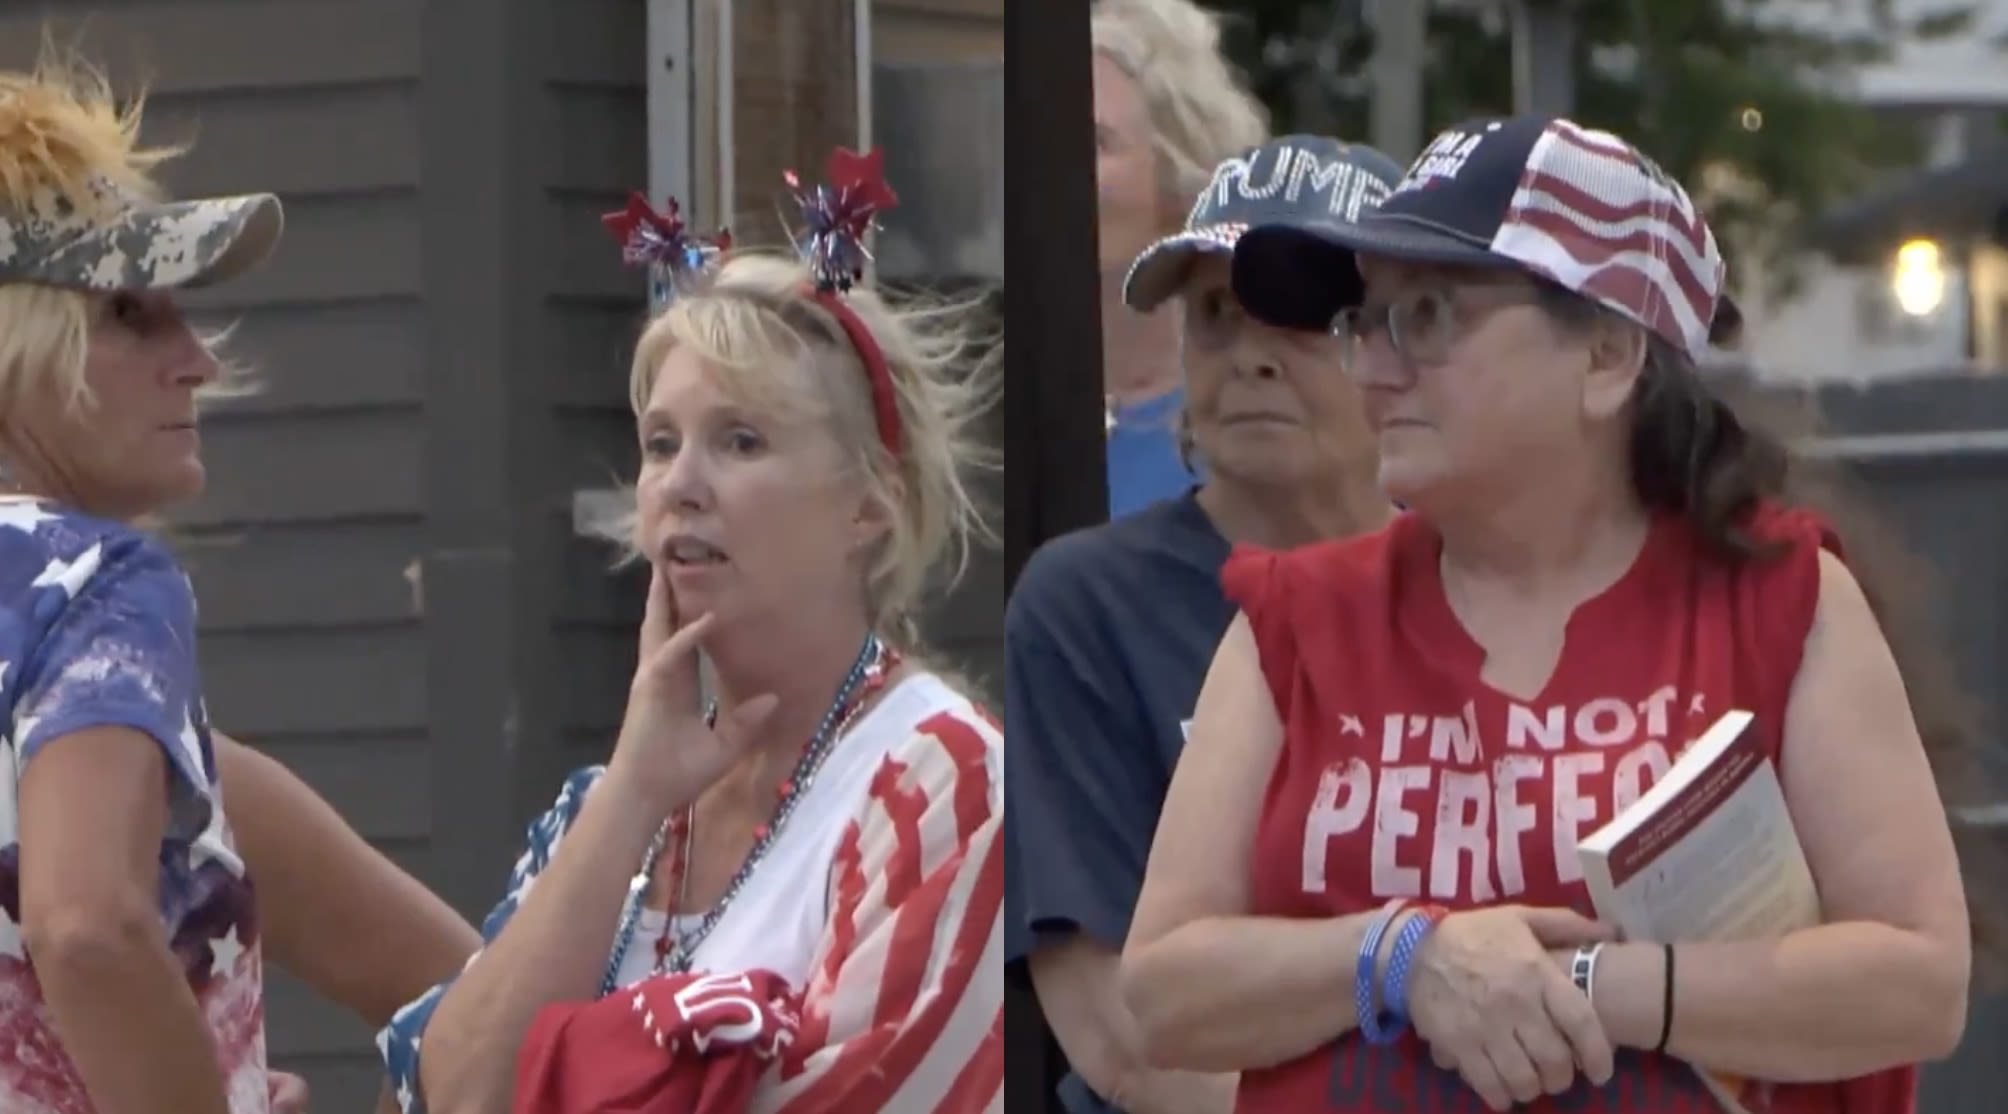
754 320
61 128
1200 113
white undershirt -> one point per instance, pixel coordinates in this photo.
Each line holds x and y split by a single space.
781 912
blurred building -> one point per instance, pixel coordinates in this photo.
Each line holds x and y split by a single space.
1901 335
395 597
1914 280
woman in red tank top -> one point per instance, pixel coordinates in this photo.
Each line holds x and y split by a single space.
1366 876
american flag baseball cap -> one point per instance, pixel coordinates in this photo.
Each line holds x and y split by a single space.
1576 206
1301 180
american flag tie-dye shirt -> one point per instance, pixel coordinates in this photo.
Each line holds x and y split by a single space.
901 1007
97 628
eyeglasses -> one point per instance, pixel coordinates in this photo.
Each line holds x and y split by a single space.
1424 324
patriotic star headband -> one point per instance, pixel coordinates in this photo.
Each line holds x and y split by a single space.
836 216
664 244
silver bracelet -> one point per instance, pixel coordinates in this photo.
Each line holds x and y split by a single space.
1583 969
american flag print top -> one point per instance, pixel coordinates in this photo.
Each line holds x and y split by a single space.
893 1000
97 628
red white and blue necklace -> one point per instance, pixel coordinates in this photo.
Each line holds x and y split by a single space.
674 950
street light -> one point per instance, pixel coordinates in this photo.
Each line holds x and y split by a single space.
1918 280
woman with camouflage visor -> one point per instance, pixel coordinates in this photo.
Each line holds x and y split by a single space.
130 945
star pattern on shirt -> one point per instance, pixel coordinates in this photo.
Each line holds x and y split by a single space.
215 845
224 952
103 614
72 574
191 742
24 515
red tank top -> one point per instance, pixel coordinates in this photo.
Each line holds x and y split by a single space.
1403 775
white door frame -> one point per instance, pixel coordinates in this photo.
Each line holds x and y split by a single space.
672 73
861 21
688 42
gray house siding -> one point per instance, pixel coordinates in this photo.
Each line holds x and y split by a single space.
394 602
597 90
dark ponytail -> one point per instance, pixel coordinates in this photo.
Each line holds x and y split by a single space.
1715 453
1691 451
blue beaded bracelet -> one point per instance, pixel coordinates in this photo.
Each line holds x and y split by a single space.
1365 982
1402 955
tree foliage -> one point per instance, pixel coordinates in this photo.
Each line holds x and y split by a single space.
1744 100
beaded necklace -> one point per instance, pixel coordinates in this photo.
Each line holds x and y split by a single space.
868 673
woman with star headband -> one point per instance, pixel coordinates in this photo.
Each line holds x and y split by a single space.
789 897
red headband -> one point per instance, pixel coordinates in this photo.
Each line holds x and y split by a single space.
885 400
838 215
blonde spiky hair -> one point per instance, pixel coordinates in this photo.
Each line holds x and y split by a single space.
67 141
62 128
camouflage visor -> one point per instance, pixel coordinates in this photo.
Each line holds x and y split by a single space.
123 244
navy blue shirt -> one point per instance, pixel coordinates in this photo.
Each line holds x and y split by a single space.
1108 634
1144 463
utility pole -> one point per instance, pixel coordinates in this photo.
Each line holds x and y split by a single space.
1401 29
1544 56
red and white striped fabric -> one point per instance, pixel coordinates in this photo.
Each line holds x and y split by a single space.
673 1044
903 1012
1600 218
